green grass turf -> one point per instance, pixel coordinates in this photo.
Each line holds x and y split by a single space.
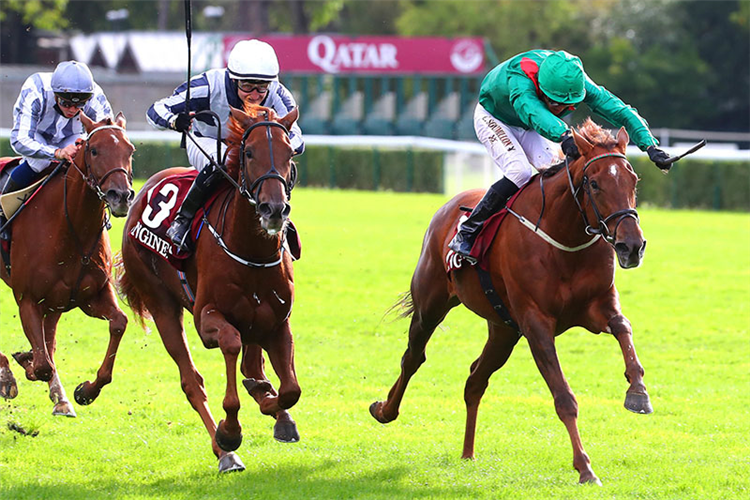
688 303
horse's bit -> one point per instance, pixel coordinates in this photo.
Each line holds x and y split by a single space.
252 193
621 215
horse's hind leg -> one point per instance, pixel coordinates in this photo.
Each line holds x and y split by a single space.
252 367
636 399
8 386
104 306
496 352
431 304
541 339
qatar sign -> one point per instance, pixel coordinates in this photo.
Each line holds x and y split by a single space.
373 54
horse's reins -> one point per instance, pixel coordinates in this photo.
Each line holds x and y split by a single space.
92 181
252 194
602 229
94 184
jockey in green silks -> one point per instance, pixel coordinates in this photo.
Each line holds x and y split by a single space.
518 119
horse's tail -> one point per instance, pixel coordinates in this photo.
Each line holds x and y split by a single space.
404 306
128 292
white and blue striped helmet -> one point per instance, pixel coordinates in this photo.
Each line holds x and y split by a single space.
72 80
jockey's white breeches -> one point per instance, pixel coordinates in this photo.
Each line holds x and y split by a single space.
197 159
516 151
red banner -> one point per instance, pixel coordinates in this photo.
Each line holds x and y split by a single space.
373 54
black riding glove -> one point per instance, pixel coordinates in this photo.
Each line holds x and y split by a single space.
659 157
181 122
569 146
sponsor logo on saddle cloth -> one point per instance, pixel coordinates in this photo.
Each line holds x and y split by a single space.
160 207
484 239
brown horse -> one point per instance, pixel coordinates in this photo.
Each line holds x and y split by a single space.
242 278
61 258
547 286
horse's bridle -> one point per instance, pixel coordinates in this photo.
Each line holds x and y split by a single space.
621 215
252 193
88 175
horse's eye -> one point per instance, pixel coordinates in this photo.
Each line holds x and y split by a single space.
248 154
93 152
594 186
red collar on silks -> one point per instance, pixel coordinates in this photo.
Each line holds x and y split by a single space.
484 239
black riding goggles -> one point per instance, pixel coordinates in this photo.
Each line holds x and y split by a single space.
248 86
68 100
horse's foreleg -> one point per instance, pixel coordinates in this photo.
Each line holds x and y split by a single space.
8 386
542 344
41 366
252 367
229 431
280 348
636 399
56 390
105 307
497 350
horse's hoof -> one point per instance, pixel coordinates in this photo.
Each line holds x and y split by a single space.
230 462
638 403
286 431
8 387
81 394
591 480
259 387
64 409
225 441
376 410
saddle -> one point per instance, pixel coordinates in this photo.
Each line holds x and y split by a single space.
484 239
160 207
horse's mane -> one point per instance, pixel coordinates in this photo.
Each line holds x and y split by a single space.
592 132
236 129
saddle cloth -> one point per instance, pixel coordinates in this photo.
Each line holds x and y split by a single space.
484 239
10 202
160 207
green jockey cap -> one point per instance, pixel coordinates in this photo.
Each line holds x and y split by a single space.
561 78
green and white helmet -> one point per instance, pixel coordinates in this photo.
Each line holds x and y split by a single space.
72 80
561 78
253 60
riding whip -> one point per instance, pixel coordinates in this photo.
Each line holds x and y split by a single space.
188 35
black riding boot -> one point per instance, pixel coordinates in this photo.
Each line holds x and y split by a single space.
197 195
494 199
9 187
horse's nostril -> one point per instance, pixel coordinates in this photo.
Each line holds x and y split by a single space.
286 211
131 195
621 248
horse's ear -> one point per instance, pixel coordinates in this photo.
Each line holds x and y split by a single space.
622 139
120 120
239 115
88 123
290 118
584 146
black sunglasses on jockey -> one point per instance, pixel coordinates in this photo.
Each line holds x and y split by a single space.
248 86
70 100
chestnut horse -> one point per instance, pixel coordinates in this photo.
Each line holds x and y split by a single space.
242 278
61 258
547 286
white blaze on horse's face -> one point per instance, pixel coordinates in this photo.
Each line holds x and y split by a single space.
613 170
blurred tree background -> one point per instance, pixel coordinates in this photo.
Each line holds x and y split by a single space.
687 62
